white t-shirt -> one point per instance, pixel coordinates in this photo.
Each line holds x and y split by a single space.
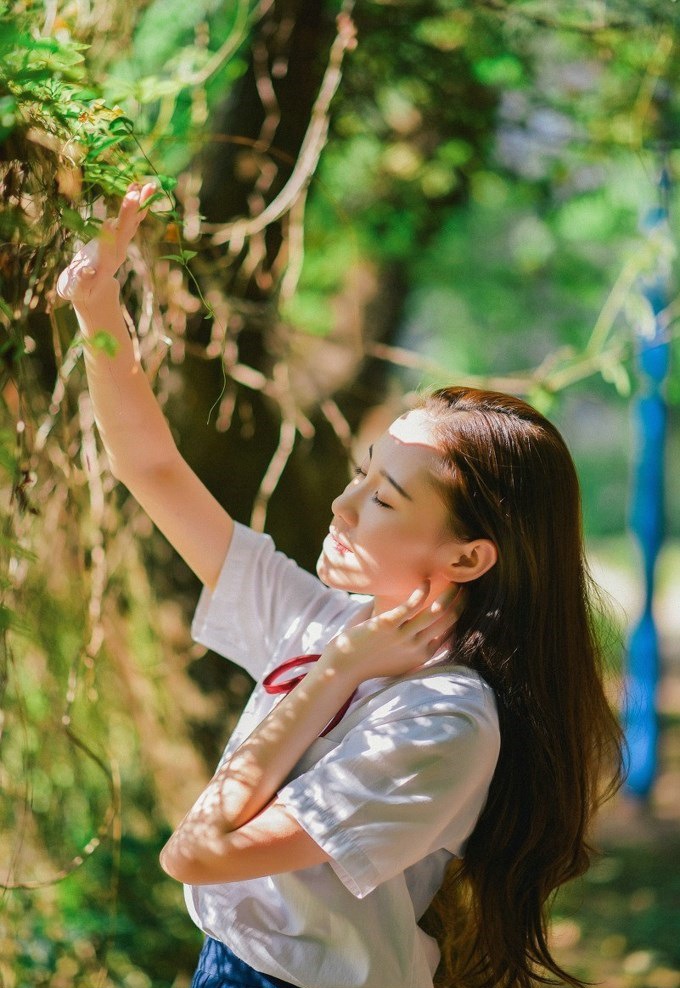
391 793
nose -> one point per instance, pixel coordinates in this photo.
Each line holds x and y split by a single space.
344 505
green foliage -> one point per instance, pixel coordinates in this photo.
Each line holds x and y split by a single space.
487 164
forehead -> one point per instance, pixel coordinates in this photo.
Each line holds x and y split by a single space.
416 428
408 450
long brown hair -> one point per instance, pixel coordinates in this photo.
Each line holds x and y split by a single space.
527 627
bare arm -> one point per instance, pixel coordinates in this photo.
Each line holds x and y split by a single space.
237 829
209 844
136 436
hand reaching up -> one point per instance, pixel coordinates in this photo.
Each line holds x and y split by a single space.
94 266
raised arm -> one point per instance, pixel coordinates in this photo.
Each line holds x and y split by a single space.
136 436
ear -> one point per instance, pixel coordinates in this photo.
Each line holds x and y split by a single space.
472 560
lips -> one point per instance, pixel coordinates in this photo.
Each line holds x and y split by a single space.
337 544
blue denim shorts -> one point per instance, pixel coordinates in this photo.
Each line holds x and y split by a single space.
218 967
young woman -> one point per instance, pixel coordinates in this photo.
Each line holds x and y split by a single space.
447 739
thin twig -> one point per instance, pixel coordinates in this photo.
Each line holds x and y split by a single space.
58 394
402 357
614 302
295 243
648 87
338 423
284 449
113 810
228 48
312 145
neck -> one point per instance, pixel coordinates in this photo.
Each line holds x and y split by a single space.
382 604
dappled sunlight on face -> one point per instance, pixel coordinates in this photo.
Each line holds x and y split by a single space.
416 428
390 528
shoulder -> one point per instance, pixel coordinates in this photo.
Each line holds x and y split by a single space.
265 604
458 692
445 687
255 561
443 701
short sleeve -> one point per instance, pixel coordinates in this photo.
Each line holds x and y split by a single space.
261 598
398 788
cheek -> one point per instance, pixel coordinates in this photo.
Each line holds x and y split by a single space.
420 552
408 552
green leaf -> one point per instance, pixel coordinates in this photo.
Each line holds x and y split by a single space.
8 462
104 341
455 153
17 550
98 146
504 70
122 125
85 95
4 307
8 115
45 44
72 220
159 196
6 618
153 88
182 258
444 33
9 620
167 183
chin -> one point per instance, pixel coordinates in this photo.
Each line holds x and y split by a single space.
329 576
321 568
323 572
334 584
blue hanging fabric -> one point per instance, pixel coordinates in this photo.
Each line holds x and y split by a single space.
647 507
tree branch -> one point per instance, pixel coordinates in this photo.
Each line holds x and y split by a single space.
236 232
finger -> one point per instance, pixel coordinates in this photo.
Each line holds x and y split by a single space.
402 612
413 603
440 627
419 595
133 211
445 609
129 207
444 600
139 195
148 190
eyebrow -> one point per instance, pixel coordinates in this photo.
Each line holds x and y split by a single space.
387 476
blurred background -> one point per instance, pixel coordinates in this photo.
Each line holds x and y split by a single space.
360 201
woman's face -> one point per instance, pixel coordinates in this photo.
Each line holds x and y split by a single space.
390 526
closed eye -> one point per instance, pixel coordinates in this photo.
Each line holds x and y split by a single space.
376 499
358 472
